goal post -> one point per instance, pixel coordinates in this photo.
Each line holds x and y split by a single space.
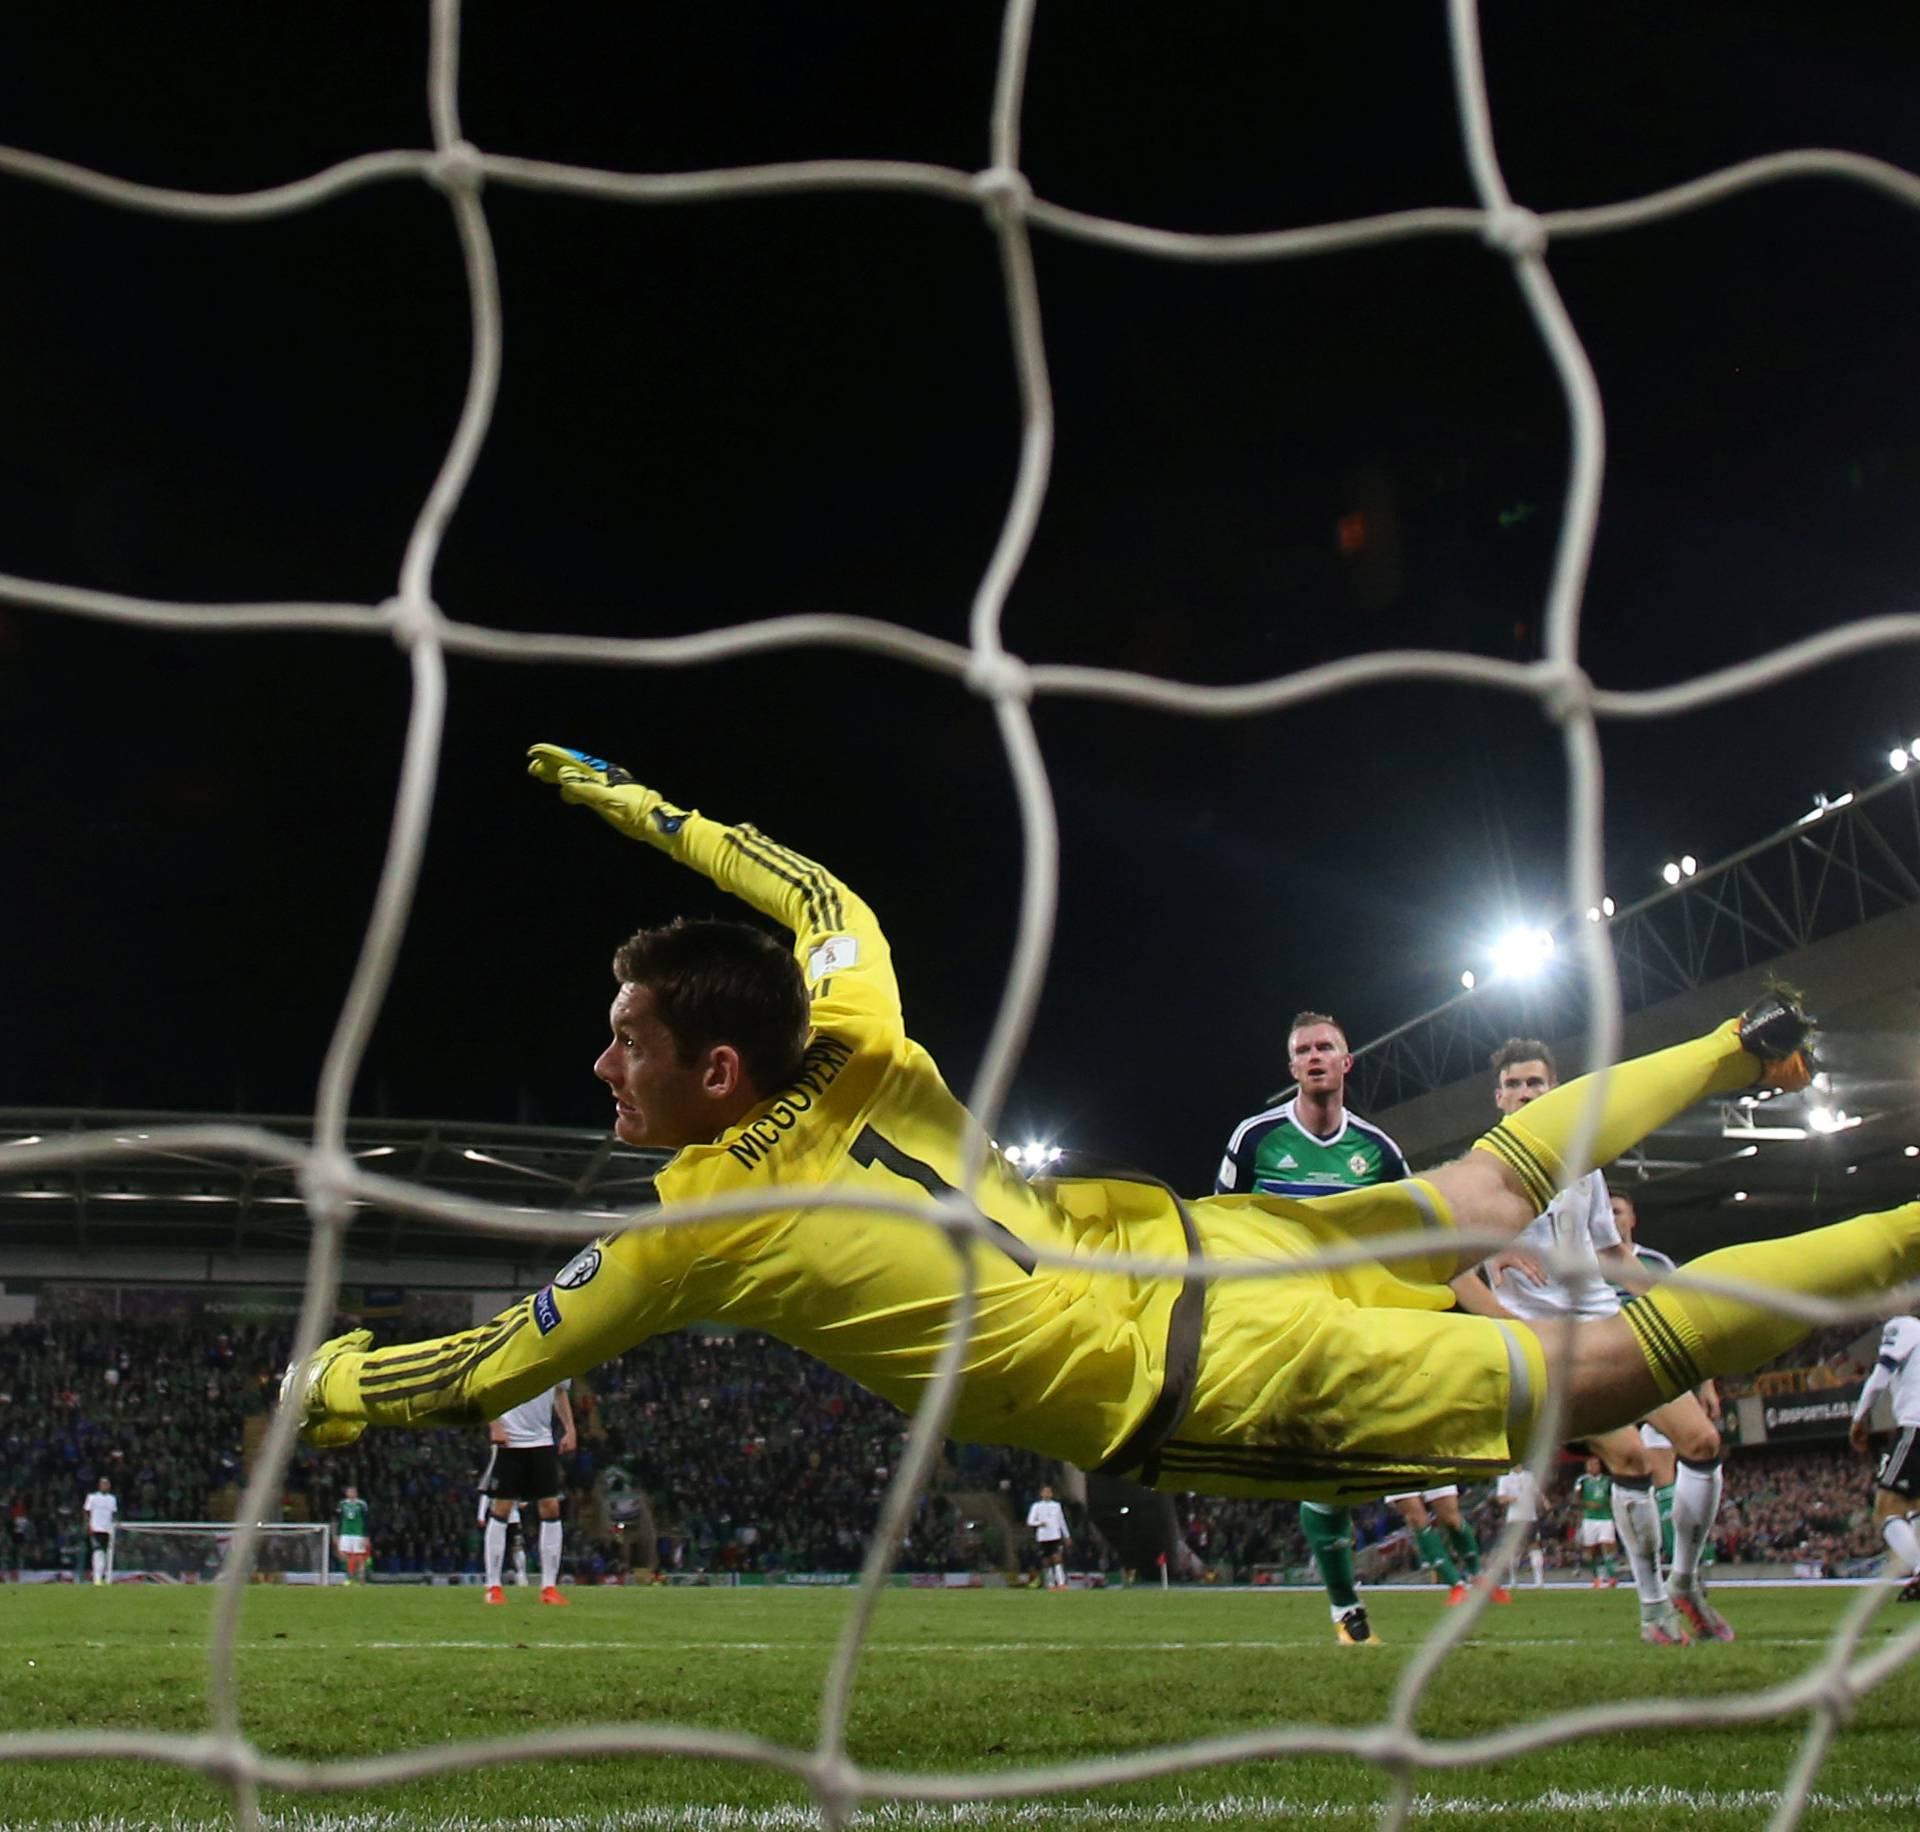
195 1551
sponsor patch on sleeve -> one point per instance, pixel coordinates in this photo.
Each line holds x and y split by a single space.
546 1313
834 955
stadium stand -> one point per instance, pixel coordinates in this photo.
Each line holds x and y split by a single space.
750 1458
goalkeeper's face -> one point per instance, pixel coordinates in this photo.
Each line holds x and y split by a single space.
660 1099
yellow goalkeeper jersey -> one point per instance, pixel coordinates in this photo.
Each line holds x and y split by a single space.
1069 1361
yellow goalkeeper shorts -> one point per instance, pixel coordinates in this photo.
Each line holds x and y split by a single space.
1351 1383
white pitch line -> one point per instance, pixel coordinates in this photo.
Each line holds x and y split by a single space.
1188 1810
955 1647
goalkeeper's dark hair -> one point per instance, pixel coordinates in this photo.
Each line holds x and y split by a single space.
1522 1049
723 982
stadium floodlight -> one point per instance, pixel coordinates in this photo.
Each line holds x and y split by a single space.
1823 805
1469 979
1898 758
1912 1151
1748 1151
1763 1132
1688 865
1671 872
1832 1119
1600 910
1522 954
1739 1195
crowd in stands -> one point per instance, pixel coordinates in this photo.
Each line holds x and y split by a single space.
1779 1506
750 1456
159 1407
1798 1506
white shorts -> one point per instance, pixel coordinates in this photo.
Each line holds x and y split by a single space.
1433 1494
353 1542
1654 1438
1598 1533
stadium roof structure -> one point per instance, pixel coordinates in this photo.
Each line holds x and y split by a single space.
194 1218
1831 905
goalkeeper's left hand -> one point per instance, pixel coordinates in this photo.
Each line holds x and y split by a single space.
594 783
304 1382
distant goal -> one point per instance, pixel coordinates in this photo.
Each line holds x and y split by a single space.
195 1551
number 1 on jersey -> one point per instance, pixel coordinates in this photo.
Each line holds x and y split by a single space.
870 1149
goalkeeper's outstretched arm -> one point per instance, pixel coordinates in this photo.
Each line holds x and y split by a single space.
610 1297
843 955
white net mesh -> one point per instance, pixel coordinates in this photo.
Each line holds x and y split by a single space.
333 1184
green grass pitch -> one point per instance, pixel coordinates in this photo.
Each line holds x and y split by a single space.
952 1680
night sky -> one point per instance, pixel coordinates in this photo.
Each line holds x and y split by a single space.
728 410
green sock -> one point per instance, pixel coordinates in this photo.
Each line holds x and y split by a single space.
1434 1550
1329 1534
1641 1095
1688 1335
1665 1498
1466 1549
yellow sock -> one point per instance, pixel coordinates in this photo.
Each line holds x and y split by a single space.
1688 1335
1641 1095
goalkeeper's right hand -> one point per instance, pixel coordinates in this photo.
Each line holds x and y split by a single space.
605 788
303 1380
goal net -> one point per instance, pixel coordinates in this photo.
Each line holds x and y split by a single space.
200 1551
469 177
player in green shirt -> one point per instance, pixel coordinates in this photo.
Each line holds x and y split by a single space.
352 1530
1312 1146
1594 1493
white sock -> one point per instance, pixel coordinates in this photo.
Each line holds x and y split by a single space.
1637 1517
1539 1559
549 1554
1902 1541
100 1561
1696 1503
496 1550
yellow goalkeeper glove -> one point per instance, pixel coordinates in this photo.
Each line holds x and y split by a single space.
639 812
303 1380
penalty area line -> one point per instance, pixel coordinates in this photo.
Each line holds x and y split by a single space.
1188 1810
882 1648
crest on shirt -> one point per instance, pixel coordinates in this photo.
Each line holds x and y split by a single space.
834 955
579 1270
1358 1164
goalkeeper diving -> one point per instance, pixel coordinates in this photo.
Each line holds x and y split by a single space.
766 1070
